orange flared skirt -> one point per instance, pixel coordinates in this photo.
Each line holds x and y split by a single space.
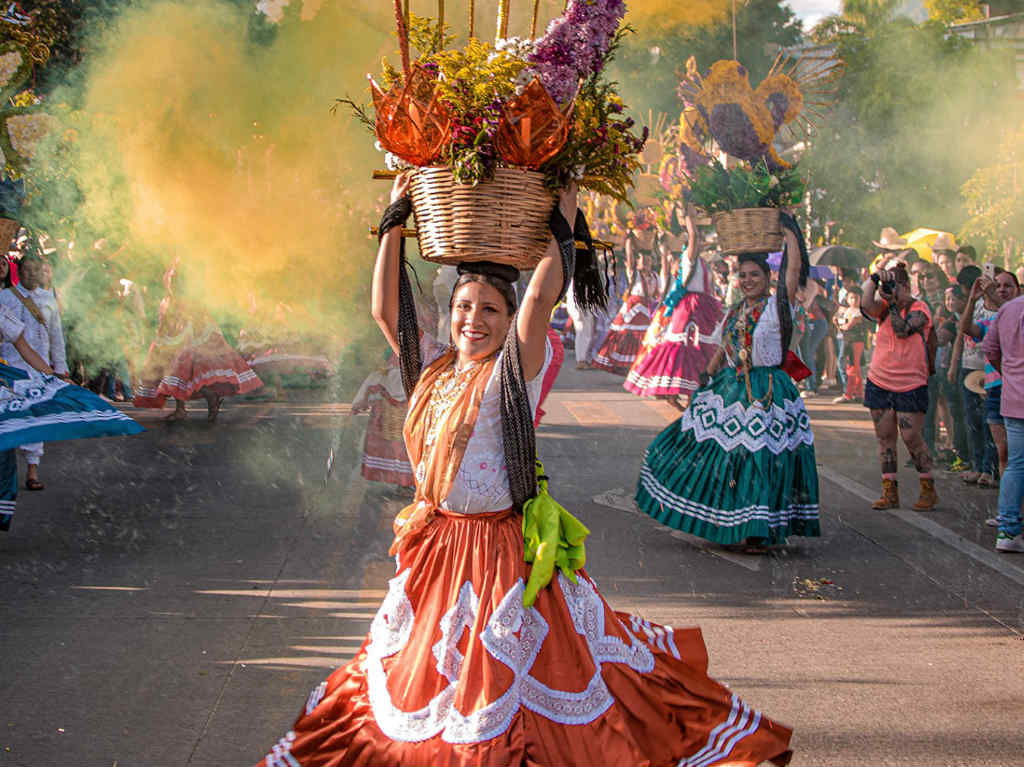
456 671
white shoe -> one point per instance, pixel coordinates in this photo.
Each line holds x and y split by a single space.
992 522
1006 543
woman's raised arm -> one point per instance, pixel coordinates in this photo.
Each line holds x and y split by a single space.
384 292
541 296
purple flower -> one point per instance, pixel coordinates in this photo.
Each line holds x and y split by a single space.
575 45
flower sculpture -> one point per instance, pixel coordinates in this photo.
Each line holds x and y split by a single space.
532 129
744 121
412 122
738 119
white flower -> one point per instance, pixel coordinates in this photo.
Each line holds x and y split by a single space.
514 46
394 162
272 9
9 64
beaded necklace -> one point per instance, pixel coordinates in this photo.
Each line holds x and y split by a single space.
448 388
741 341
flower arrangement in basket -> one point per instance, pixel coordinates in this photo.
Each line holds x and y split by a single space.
744 193
493 130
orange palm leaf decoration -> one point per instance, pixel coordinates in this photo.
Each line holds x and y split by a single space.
412 122
532 129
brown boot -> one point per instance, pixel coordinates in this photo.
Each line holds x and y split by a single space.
890 495
928 497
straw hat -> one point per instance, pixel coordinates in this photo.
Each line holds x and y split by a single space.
975 382
944 243
890 239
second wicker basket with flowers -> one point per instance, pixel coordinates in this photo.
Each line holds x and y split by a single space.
727 134
493 131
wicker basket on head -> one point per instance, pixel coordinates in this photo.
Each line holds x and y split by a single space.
748 230
8 231
505 220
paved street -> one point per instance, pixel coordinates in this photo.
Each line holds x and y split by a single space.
172 598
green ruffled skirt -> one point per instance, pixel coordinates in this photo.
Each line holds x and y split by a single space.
728 470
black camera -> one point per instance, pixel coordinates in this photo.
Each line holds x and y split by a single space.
886 283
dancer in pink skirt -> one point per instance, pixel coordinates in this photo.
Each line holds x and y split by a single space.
671 368
625 337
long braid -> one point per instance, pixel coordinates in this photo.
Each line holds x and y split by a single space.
519 440
409 359
782 292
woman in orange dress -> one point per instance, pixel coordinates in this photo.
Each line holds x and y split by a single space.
474 658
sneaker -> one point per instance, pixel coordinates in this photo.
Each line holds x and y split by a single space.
987 480
841 399
1008 543
992 522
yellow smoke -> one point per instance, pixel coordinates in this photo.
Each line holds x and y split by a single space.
662 15
233 160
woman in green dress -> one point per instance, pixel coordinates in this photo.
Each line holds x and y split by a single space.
738 466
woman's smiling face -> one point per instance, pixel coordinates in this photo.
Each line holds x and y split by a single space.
753 280
480 321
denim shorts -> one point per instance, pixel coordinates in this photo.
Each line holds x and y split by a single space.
993 398
913 401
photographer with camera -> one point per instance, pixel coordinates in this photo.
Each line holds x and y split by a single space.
897 387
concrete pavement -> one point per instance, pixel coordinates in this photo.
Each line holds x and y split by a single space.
172 598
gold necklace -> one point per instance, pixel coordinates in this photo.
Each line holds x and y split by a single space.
448 387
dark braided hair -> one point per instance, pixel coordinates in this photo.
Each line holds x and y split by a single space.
410 362
782 293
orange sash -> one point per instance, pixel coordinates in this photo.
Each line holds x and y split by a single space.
440 461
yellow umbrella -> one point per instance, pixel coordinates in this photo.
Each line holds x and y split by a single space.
921 240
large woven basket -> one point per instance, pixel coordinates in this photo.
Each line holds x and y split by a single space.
748 230
505 220
8 231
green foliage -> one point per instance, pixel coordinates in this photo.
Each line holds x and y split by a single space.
426 36
714 188
917 113
993 195
651 79
953 11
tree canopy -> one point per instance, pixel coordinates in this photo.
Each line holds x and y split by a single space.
918 111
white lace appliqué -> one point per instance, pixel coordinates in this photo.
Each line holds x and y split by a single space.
513 636
753 427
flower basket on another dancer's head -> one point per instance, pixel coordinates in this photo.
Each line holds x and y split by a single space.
8 231
504 220
748 230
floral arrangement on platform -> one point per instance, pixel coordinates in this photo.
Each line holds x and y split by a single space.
727 134
541 103
715 188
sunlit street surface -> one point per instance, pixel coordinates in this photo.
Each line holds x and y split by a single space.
171 598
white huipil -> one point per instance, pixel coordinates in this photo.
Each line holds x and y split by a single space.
47 340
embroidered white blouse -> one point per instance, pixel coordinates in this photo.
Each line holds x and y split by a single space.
767 340
10 328
47 340
481 484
